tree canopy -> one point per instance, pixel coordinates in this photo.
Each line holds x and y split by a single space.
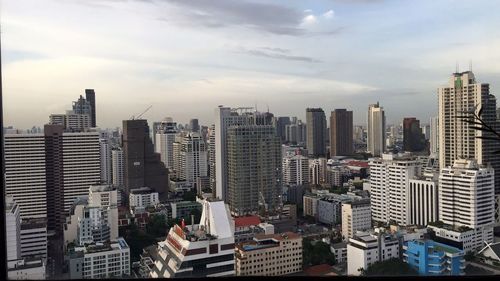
392 267
317 253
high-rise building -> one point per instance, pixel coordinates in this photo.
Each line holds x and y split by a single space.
194 125
457 139
295 170
118 167
316 132
317 171
376 130
106 161
225 118
143 167
13 229
389 181
296 132
254 169
25 173
466 198
90 96
356 216
341 133
211 157
192 159
413 139
434 136
281 124
423 200
165 138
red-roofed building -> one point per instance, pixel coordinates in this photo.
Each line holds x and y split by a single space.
246 221
319 270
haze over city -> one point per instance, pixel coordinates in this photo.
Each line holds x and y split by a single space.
187 57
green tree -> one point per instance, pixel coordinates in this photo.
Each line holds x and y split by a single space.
316 254
189 196
392 267
157 226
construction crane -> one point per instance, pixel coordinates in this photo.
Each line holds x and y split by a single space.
139 116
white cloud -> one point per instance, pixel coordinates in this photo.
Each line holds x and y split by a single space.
310 19
308 11
329 14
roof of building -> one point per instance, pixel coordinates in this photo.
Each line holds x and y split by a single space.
358 164
317 270
278 236
340 245
246 221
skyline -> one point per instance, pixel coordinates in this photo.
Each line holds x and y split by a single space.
187 57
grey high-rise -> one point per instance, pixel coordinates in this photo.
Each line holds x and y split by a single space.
254 169
194 125
281 124
143 166
341 132
90 96
316 132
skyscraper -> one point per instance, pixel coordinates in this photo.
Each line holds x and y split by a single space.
194 125
281 123
165 138
90 96
193 158
118 167
413 139
457 140
143 166
106 161
254 169
316 132
341 132
434 139
376 130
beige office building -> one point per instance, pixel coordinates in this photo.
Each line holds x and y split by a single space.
269 255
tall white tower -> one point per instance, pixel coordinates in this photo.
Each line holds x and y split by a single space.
376 130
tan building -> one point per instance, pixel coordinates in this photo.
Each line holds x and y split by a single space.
356 216
269 255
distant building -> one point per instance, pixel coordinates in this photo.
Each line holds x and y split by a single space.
434 136
283 251
340 252
431 258
423 200
194 125
183 209
143 197
192 159
100 260
413 138
281 124
376 130
106 161
295 170
164 141
118 167
341 133
316 132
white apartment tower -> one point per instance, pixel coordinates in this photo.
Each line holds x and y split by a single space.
193 158
466 198
389 181
118 167
376 130
457 140
165 138
356 216
423 200
295 170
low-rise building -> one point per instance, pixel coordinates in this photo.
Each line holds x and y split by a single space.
183 209
26 269
269 255
340 252
143 197
428 257
462 237
100 260
365 249
34 238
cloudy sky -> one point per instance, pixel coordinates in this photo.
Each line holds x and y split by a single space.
186 57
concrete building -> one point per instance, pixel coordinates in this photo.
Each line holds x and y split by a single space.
71 121
202 250
310 205
316 132
457 139
192 159
34 238
100 260
317 171
389 181
281 123
106 161
183 209
330 210
254 169
26 269
341 133
413 138
25 173
376 130
194 126
365 249
466 198
356 216
295 170
93 219
164 140
211 158
296 133
118 170
428 257
423 200
434 136
340 252
143 197
283 253
90 97
12 229
143 167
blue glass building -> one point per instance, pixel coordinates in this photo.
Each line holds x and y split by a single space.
432 258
